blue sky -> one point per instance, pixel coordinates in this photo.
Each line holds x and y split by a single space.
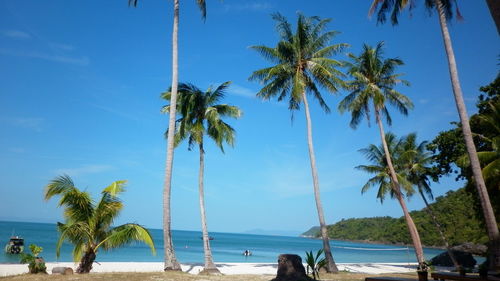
79 94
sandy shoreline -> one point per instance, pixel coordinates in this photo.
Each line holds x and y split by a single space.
225 268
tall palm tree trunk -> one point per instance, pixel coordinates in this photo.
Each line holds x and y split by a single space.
489 215
494 6
331 266
440 230
209 263
415 237
170 260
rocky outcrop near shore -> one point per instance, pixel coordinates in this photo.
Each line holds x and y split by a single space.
475 249
463 258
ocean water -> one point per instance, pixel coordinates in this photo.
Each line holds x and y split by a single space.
226 247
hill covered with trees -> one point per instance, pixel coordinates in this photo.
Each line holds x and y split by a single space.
456 212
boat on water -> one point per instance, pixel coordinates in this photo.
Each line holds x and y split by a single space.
15 245
209 238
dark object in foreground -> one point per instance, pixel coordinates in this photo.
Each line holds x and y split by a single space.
423 275
456 276
463 258
388 279
62 270
290 268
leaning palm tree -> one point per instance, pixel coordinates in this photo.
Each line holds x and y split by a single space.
415 161
170 260
444 10
303 63
201 115
88 223
372 87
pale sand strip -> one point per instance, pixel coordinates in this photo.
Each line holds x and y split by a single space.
225 268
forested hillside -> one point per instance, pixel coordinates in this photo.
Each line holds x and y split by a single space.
456 211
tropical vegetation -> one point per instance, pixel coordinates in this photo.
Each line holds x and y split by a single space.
456 210
414 161
372 87
170 259
201 115
314 263
444 9
36 264
89 224
303 67
302 64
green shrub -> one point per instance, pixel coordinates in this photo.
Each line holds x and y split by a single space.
315 263
35 263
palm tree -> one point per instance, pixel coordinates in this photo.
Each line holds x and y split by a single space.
373 85
88 223
170 260
201 116
444 10
302 64
379 167
415 161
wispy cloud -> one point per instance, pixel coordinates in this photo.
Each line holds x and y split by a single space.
124 114
35 124
61 46
16 34
85 169
17 150
82 61
249 6
241 91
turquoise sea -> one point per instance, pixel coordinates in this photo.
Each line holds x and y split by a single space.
226 247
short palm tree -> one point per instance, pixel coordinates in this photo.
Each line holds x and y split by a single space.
371 88
201 115
415 162
302 64
380 169
445 12
88 224
170 260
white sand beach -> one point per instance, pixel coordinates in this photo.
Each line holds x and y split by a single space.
225 268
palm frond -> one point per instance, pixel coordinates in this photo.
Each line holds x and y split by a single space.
78 250
59 186
116 187
77 233
203 8
126 234
282 26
